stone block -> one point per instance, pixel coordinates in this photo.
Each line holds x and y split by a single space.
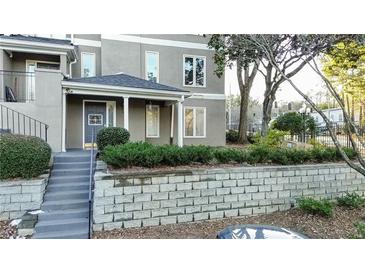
252 203
151 222
193 193
201 216
263 174
192 209
132 190
98 210
31 189
243 182
160 212
230 198
283 180
308 192
206 208
185 186
105 218
207 177
324 171
284 194
208 192
98 227
176 195
126 216
258 210
271 209
176 179
245 211
265 188
145 197
142 214
133 207
176 211
258 196
30 206
250 175
113 208
132 223
185 218
114 191
104 184
296 193
168 203
113 225
142 181
223 191
192 178
239 204
20 198
312 172
245 197
159 180
251 189
168 220
340 176
277 187
150 188
257 182
10 190
123 199
238 190
231 213
270 181
201 201
215 184
216 215
151 205
216 199
167 187
104 200
4 199
229 183
200 185
185 202
288 173
223 206
264 202
222 176
160 196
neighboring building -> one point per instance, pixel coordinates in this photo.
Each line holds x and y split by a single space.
335 115
162 88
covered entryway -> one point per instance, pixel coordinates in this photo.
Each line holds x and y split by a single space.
94 120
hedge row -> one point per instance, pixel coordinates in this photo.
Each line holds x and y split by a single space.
148 155
23 156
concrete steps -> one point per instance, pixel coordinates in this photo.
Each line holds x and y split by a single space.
66 202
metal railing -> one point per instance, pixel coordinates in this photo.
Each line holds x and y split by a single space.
91 181
14 122
17 86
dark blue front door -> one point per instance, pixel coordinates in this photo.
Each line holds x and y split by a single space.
95 119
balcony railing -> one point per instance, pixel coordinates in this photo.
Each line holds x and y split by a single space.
16 86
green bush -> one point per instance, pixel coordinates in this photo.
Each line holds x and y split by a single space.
312 206
23 156
232 136
352 200
199 154
274 138
112 136
227 155
295 123
360 227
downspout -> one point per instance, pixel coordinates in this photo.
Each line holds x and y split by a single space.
74 61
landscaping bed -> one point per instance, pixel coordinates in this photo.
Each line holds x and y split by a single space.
339 226
6 230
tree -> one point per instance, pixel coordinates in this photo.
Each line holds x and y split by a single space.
235 49
322 44
295 123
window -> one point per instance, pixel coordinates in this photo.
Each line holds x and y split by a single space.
152 121
87 64
194 71
152 66
195 122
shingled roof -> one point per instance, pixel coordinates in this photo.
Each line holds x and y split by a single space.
36 39
123 80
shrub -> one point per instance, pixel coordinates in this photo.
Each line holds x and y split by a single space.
232 136
112 136
351 200
360 227
227 155
295 123
312 206
23 156
199 154
274 138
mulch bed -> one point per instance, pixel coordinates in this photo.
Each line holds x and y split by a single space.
339 226
7 231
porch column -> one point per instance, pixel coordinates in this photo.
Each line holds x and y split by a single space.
126 112
63 144
180 117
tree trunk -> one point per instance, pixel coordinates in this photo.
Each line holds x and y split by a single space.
242 131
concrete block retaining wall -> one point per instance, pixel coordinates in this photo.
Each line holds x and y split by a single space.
151 200
18 197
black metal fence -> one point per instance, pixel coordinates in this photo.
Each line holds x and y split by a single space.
12 121
16 86
322 135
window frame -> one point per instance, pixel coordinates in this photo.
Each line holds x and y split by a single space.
82 63
194 70
146 66
158 122
194 122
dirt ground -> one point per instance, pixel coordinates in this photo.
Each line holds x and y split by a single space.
340 226
7 231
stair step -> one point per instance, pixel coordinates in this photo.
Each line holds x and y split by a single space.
68 186
70 234
55 195
69 179
64 214
69 159
66 165
70 172
65 204
61 224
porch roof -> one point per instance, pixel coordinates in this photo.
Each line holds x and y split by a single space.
121 85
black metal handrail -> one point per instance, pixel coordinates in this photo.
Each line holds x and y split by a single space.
91 180
12 121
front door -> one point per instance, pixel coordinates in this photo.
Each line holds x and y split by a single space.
95 119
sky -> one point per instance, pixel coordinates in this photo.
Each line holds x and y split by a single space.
306 79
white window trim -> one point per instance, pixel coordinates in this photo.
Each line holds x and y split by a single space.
158 64
158 123
82 62
194 70
194 122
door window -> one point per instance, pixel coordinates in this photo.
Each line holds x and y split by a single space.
95 119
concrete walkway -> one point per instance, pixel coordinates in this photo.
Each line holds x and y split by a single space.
66 202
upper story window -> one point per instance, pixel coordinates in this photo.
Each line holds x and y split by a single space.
194 71
152 66
87 64
195 122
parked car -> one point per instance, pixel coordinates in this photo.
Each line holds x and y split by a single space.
258 232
